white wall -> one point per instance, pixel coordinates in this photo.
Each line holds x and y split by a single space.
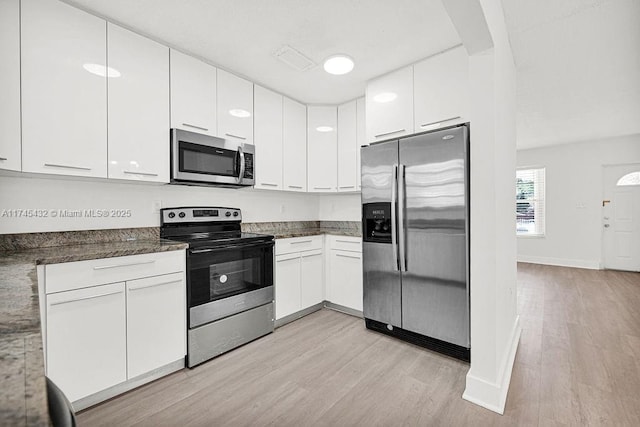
340 207
60 194
495 328
574 193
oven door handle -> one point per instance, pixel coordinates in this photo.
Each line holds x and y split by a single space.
223 248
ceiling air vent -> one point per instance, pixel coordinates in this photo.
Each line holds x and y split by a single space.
294 59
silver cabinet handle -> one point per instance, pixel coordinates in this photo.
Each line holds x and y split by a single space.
308 254
104 267
295 186
153 285
53 165
394 202
85 298
347 241
269 184
348 256
401 227
3 158
322 188
389 133
301 241
347 186
242 165
140 173
195 127
235 136
439 121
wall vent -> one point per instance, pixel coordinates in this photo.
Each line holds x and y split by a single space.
294 59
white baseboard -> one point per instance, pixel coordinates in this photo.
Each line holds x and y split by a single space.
493 395
561 262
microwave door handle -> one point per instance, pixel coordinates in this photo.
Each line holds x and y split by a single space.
242 165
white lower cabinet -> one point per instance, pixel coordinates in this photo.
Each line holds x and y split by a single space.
287 284
101 335
86 339
344 272
298 274
155 329
311 284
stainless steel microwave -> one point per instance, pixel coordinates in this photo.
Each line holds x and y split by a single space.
207 160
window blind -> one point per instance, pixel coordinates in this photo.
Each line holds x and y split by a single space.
530 202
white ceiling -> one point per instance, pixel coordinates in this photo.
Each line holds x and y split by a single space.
578 61
578 64
241 36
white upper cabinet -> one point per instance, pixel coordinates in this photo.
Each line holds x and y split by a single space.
268 138
361 135
10 85
235 108
138 109
294 142
390 105
193 94
322 142
441 90
64 90
347 143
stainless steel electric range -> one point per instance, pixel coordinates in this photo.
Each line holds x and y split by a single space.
229 279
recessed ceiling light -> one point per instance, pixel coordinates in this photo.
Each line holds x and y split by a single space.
324 128
237 112
338 64
385 97
101 70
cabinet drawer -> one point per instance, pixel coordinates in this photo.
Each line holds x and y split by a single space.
345 243
81 274
298 244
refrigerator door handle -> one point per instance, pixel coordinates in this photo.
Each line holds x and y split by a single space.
394 202
401 214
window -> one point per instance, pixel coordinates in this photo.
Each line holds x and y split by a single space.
632 178
530 206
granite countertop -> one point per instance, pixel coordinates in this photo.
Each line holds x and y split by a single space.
284 230
23 398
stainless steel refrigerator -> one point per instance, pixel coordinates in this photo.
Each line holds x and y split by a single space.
415 223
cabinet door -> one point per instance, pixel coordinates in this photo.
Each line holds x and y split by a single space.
287 284
10 85
322 145
138 107
235 108
64 90
390 105
156 322
294 143
86 339
441 90
268 139
193 94
311 282
347 140
346 279
361 137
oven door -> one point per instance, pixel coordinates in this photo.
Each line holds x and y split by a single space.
207 159
227 280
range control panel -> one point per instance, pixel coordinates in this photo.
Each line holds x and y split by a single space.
198 214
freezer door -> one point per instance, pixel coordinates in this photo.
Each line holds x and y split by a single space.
381 277
434 222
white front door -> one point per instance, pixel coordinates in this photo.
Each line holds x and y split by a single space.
621 217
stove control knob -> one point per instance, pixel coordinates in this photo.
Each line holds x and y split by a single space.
227 213
181 215
172 215
235 214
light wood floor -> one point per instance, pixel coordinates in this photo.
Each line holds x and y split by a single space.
578 363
